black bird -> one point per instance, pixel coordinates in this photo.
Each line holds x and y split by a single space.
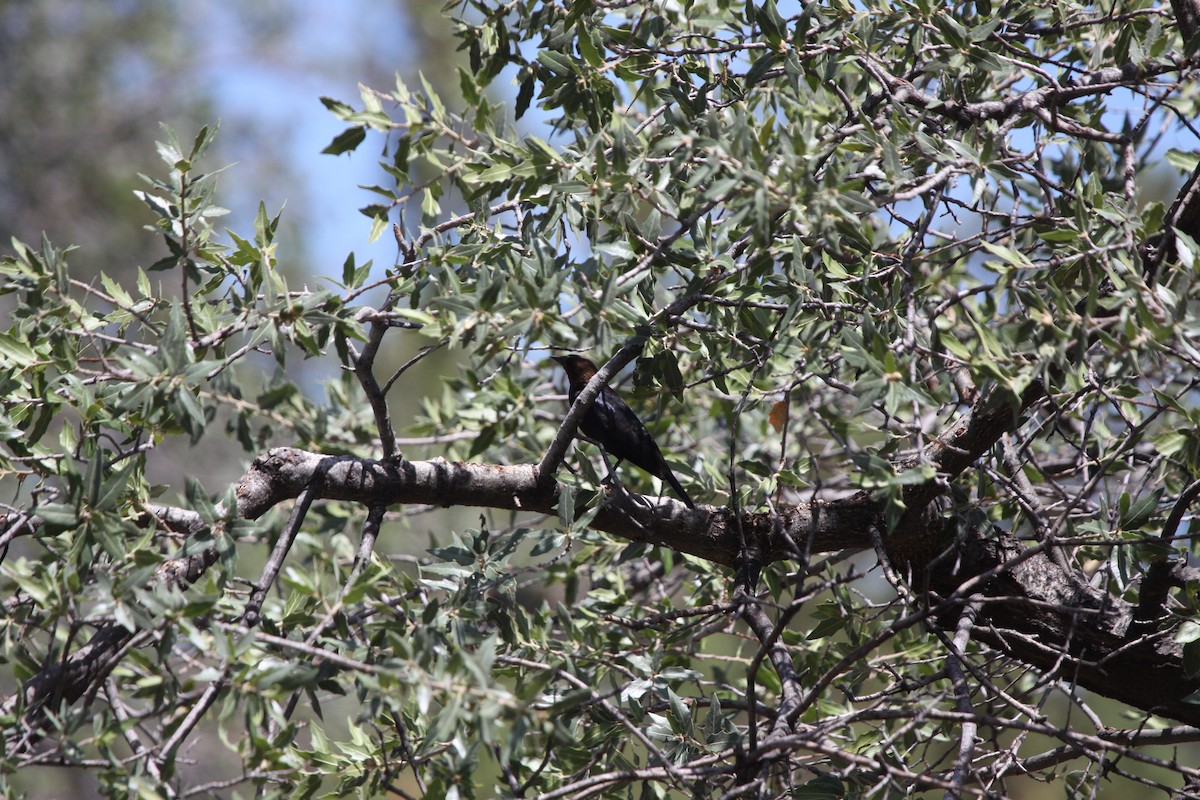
612 424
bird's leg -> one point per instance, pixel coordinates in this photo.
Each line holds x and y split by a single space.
610 468
611 480
611 477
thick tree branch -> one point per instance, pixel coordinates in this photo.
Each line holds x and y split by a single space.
1187 17
1029 609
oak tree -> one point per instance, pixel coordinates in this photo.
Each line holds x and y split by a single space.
915 318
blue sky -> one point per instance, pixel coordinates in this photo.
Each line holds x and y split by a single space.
271 82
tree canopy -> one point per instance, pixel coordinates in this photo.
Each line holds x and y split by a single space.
911 311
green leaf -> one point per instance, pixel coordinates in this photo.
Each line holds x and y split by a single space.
760 67
347 141
589 48
15 352
825 628
1136 514
823 787
559 63
1191 659
1008 255
680 716
524 95
1185 161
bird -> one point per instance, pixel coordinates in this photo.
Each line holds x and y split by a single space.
612 424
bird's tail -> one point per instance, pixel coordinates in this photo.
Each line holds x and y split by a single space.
670 478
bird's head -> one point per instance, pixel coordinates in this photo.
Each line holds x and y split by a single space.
578 368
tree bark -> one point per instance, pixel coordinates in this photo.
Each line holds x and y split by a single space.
1031 610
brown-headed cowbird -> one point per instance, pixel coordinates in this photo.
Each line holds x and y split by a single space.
612 424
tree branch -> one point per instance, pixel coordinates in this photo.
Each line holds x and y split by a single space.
1029 610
